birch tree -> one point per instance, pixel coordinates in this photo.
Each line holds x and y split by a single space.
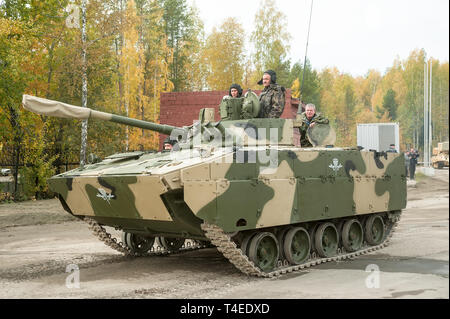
224 55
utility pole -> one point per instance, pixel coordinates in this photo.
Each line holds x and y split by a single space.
84 125
304 62
427 125
430 126
425 115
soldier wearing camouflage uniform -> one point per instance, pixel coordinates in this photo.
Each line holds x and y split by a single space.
272 97
309 118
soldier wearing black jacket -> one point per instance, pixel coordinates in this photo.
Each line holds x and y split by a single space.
413 156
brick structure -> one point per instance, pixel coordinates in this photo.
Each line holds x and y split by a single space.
182 108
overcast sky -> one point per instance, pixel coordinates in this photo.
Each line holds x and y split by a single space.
352 35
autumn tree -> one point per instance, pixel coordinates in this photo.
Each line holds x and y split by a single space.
131 70
338 103
440 101
135 49
22 65
311 85
102 23
224 55
251 75
196 69
410 110
13 79
389 104
155 68
365 88
271 41
182 29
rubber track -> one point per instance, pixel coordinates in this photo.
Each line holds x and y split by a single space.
228 248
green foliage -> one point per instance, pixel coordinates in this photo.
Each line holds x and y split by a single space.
183 30
34 176
167 45
311 83
390 105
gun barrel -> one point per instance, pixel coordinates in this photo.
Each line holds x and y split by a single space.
161 128
63 110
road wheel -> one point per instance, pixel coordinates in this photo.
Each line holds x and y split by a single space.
280 237
246 243
171 244
297 245
136 243
312 234
264 251
203 243
352 235
374 230
326 240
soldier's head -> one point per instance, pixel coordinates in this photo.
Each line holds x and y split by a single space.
310 110
269 77
235 90
168 144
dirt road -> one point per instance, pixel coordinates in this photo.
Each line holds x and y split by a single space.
38 241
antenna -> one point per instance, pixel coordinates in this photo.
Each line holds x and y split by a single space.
306 52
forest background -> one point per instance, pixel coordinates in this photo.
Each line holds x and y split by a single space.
137 49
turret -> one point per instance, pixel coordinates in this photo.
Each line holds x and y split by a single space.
239 125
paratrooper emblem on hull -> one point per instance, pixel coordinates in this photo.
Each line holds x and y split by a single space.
335 166
104 195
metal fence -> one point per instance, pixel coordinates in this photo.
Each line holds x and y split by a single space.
10 181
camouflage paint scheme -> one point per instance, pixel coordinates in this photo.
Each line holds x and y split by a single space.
171 194
272 100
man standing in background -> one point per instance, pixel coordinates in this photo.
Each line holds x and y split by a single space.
413 156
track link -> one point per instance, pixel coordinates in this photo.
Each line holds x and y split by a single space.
229 249
101 233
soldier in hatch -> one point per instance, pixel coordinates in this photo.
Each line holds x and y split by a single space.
170 144
272 97
392 149
235 90
309 118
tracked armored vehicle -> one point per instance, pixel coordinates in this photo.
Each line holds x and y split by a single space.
440 158
240 184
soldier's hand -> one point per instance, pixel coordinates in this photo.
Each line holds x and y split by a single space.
312 124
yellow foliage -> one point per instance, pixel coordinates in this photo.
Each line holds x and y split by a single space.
295 88
143 80
251 76
131 69
365 116
224 55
